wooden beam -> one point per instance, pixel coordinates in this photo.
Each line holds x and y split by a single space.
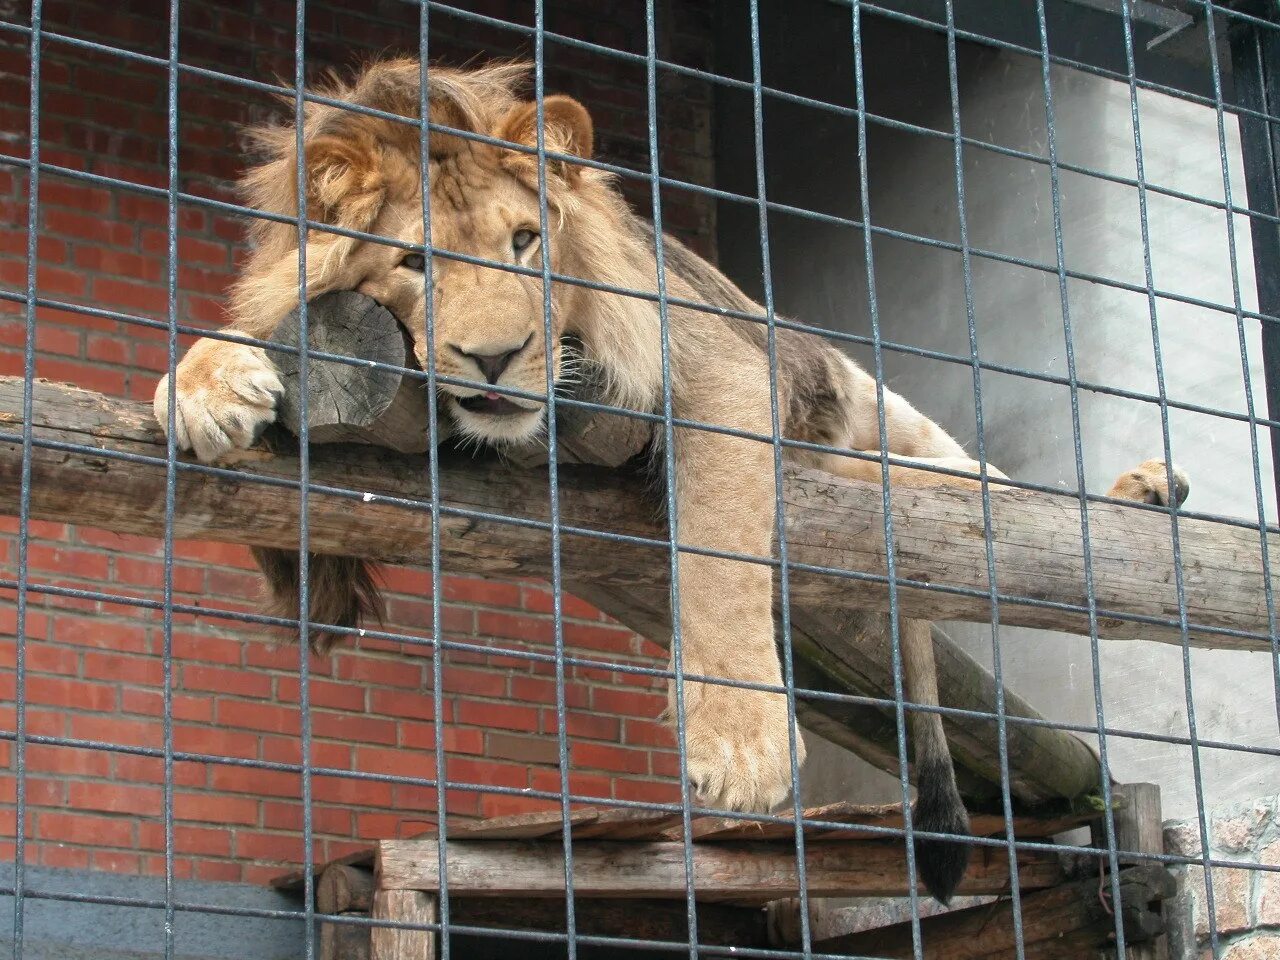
831 523
725 871
403 942
1062 923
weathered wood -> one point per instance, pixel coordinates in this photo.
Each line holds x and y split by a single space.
726 871
344 889
831 523
400 943
345 941
1063 923
349 403
1139 829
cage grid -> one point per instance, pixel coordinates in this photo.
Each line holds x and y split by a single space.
1253 36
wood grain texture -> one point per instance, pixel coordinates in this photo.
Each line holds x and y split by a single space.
724 871
400 943
1063 923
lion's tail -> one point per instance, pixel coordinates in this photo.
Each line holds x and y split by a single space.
342 591
938 808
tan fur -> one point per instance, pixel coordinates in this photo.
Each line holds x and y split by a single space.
364 174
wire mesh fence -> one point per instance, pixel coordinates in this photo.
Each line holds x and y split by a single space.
746 178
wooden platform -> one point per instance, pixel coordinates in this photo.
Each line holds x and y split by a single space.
629 880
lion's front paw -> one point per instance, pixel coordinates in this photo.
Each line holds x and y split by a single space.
226 396
737 748
1149 483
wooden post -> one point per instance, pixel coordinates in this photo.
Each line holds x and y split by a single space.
1139 828
399 943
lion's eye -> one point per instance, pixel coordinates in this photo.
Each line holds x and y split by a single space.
522 240
414 261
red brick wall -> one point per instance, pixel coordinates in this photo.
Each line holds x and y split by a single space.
94 668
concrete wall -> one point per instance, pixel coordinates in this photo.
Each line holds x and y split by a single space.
820 277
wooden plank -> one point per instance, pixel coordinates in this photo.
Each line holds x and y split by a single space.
1062 923
1139 828
764 871
884 816
521 826
399 943
630 824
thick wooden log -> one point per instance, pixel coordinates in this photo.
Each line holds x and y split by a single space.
724 871
1062 923
831 523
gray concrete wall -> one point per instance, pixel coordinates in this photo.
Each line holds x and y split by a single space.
820 277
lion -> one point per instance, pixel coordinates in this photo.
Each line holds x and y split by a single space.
364 175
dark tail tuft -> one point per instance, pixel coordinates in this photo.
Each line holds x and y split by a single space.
939 809
342 591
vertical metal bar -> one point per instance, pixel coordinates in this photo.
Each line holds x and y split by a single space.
895 627
433 468
304 478
24 499
171 469
779 505
553 472
1255 59
669 470
1002 731
1081 489
1179 576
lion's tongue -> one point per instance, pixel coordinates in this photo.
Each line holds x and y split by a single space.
491 395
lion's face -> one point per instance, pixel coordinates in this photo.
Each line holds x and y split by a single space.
364 174
489 323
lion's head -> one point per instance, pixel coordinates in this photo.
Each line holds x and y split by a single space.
363 173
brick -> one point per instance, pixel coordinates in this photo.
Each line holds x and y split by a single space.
648 791
129 769
73 761
422 736
73 694
395 703
514 627
215 742
583 725
627 702
488 592
465 770
214 808
539 690
67 561
80 226
1269 886
601 757
647 733
100 633
1264 946
85 829
131 296
540 601
115 861
265 783
580 784
237 683
123 668
353 729
478 683
505 715
115 798
289 750
387 673
599 638
118 730
506 746
323 693
259 716
351 790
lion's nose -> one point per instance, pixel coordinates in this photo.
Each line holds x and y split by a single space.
493 363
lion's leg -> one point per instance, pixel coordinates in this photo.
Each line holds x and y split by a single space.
737 743
227 392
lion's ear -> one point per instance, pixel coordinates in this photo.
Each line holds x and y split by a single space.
566 128
346 185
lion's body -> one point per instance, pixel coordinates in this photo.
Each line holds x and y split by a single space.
364 174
